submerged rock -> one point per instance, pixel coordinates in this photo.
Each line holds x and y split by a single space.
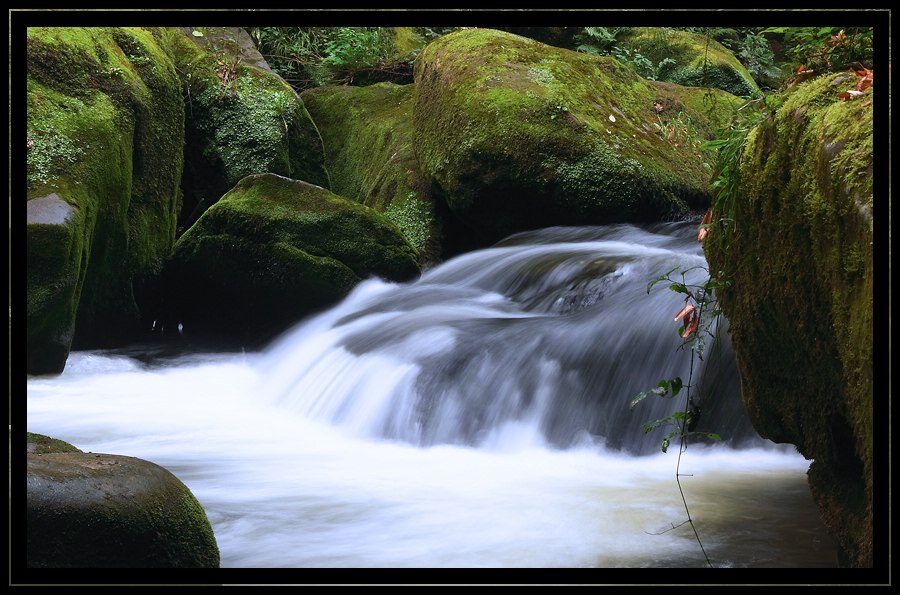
520 135
274 250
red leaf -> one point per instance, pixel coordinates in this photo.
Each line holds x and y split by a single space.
685 312
691 326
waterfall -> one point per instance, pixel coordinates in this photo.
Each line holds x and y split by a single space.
476 417
543 338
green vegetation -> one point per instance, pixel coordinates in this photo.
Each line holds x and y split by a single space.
310 57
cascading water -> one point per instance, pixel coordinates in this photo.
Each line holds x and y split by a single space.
478 417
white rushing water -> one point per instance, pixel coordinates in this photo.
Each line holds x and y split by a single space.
475 418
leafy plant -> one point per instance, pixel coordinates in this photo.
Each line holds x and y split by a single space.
827 49
729 146
643 65
698 319
598 41
314 56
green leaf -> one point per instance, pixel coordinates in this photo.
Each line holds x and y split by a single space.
711 436
678 287
714 144
665 444
676 385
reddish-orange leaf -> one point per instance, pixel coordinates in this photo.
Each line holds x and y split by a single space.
867 104
865 82
844 96
691 325
685 312
704 229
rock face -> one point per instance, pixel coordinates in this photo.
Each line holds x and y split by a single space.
87 510
273 250
520 135
105 127
241 118
798 257
368 136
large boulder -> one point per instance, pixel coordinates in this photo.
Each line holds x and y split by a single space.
368 136
273 250
520 135
697 60
797 253
105 123
88 510
241 118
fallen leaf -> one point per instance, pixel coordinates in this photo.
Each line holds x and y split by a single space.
867 104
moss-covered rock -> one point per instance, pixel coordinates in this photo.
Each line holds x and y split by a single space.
699 61
105 130
520 135
273 250
40 445
368 136
241 118
799 259
86 510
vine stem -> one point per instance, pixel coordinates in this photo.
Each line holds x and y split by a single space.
683 447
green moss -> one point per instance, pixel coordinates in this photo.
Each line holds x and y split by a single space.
40 444
275 249
105 126
699 60
800 305
241 120
368 136
501 119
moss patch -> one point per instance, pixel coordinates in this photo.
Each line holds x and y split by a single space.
699 61
240 120
105 127
273 250
800 304
520 135
368 135
40 444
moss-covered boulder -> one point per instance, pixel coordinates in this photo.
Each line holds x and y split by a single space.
105 124
273 250
685 58
368 135
798 257
41 444
87 510
241 118
520 135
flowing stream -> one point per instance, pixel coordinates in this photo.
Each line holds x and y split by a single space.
477 417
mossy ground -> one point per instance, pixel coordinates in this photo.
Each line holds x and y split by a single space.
799 258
